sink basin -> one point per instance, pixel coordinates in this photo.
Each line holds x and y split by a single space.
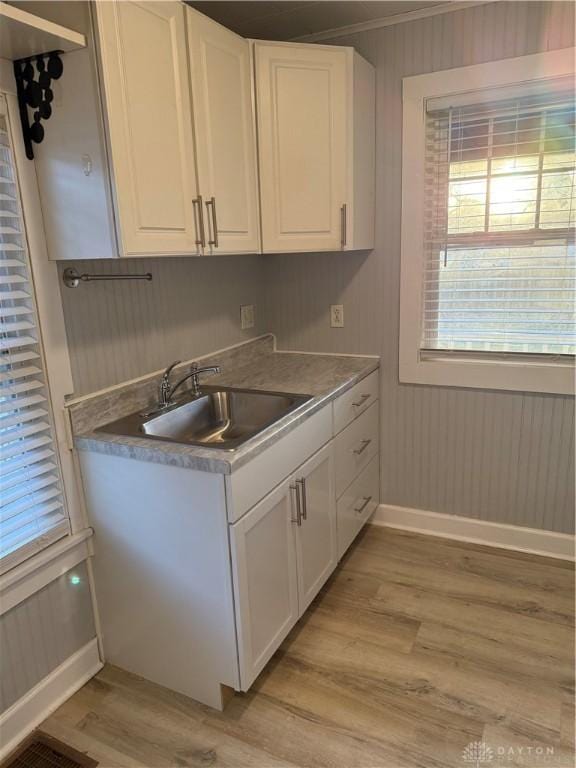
218 418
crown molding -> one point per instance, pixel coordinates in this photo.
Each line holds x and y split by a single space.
388 21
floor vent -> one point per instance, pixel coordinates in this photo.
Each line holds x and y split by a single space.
42 751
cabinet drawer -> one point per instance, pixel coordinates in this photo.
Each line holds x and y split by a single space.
356 504
354 402
355 446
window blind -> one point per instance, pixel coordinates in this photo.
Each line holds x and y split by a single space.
32 511
500 211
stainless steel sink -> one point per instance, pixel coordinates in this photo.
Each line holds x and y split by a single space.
218 418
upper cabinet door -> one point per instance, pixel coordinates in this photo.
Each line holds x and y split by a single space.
144 69
302 134
225 129
316 536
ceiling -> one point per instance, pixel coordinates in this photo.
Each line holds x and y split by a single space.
288 20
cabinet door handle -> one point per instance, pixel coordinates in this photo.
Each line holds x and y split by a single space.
302 484
361 401
212 205
362 507
199 221
363 445
343 225
298 519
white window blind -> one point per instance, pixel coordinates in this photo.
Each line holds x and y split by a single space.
32 511
500 211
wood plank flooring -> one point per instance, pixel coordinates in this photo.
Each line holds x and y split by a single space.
415 648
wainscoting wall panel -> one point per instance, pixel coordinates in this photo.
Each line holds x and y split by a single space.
43 631
501 456
121 330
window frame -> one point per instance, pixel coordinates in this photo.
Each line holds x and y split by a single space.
52 333
452 368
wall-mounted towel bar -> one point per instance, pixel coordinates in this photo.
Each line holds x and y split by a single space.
72 278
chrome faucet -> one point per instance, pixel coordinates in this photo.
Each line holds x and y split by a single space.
166 390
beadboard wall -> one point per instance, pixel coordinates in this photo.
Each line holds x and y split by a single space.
499 456
120 330
43 631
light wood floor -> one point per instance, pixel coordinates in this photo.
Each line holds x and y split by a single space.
415 648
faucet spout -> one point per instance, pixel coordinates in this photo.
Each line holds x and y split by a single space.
193 376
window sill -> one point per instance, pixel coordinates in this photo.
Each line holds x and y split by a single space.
35 573
509 375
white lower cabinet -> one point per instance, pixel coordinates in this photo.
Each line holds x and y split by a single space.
283 550
201 576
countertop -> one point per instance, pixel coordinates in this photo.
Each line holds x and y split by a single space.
254 365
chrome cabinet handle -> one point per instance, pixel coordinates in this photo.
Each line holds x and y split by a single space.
212 205
298 519
199 221
363 445
361 401
343 225
362 507
302 484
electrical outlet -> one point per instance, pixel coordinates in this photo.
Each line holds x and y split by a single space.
336 315
246 316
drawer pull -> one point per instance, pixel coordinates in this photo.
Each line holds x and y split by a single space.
362 507
363 445
361 401
298 519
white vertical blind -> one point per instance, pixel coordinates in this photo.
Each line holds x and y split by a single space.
499 230
32 511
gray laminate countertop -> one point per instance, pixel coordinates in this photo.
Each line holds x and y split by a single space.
255 365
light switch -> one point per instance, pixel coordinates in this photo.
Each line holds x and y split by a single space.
246 316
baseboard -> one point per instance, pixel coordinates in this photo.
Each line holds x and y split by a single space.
514 537
35 706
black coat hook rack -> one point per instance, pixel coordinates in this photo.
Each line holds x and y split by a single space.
72 278
34 76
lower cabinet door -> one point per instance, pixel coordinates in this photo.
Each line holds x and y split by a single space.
265 581
316 535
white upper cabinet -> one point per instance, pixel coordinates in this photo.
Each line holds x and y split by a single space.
153 147
144 73
316 124
224 123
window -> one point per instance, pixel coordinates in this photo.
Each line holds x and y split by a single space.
499 232
497 260
32 508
